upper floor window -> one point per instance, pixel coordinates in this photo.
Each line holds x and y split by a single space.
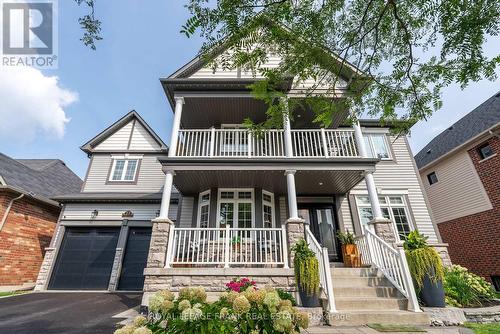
377 145
124 170
432 178
485 151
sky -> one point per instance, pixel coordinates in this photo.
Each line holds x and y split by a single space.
51 113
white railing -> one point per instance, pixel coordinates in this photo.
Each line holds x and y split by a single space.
391 262
227 246
266 143
325 276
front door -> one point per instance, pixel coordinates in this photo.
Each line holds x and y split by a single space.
321 220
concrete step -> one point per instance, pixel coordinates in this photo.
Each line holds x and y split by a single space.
366 291
357 272
360 318
355 281
370 304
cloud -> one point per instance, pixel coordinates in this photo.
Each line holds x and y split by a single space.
32 104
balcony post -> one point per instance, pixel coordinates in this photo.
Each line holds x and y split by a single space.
174 137
323 141
212 141
360 141
287 130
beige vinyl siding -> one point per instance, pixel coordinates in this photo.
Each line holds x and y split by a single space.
150 177
459 191
141 140
115 211
186 216
400 177
118 141
283 211
345 214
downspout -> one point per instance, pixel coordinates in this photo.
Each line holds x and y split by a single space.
8 209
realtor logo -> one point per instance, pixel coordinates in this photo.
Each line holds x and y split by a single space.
29 33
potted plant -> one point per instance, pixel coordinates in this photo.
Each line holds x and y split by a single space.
236 242
306 269
350 253
426 269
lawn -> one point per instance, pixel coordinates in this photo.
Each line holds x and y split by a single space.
493 328
11 293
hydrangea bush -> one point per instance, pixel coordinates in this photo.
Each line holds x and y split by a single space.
465 289
254 311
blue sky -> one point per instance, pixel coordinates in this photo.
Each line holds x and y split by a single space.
141 44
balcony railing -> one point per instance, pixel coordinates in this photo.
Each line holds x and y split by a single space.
268 143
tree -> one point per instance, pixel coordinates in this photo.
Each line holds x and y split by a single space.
407 50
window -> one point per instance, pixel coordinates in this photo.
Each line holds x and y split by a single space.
485 151
124 170
268 209
236 207
496 282
432 178
204 209
377 145
393 207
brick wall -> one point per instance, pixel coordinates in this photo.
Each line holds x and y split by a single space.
23 238
475 239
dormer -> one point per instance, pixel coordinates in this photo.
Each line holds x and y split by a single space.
124 157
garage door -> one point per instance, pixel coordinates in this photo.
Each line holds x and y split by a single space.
134 261
85 259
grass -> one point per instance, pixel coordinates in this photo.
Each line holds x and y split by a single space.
11 293
395 328
493 328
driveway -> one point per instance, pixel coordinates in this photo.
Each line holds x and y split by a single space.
65 312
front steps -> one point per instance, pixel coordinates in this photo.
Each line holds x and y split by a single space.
364 296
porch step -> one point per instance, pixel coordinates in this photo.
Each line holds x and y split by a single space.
359 318
365 291
370 303
357 272
357 281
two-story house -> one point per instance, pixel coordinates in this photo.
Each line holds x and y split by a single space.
223 201
461 172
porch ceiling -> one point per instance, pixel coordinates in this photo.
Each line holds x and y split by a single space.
308 182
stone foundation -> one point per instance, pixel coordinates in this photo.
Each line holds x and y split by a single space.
45 268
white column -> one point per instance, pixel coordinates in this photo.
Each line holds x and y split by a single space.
288 130
174 137
370 182
167 192
292 195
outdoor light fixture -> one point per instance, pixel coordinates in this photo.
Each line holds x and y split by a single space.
157 213
320 183
94 214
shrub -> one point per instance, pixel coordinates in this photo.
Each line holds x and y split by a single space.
251 311
464 289
306 267
284 295
240 284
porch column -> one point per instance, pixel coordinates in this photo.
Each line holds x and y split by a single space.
295 229
174 137
287 130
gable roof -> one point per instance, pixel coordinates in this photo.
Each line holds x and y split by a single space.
42 177
92 143
479 120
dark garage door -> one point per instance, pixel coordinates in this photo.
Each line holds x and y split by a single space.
85 259
134 261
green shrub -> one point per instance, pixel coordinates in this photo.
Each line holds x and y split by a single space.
253 311
464 289
285 295
306 267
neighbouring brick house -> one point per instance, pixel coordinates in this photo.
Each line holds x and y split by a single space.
28 215
461 173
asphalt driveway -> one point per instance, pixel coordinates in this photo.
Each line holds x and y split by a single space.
69 313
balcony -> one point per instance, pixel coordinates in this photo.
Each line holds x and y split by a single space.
240 143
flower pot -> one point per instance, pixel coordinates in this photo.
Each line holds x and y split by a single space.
350 255
308 300
432 293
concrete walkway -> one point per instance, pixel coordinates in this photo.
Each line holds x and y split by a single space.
368 330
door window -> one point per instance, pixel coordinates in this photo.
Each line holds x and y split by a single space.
236 208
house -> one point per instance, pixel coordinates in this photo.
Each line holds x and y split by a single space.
461 172
29 215
223 202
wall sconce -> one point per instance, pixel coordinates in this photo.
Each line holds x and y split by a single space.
94 214
157 213
127 214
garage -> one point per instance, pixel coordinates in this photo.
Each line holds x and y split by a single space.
135 258
85 259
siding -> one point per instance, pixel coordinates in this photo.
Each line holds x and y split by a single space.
186 216
114 211
396 176
141 140
459 192
150 177
283 211
117 141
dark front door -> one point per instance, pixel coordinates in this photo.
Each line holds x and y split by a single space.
85 259
323 225
134 261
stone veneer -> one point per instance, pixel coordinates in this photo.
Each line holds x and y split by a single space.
115 271
295 230
159 242
45 268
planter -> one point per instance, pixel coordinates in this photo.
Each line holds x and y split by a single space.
308 300
350 256
432 294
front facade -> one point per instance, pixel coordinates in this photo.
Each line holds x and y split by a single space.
223 202
461 173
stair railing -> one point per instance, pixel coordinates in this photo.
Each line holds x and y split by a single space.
325 276
391 262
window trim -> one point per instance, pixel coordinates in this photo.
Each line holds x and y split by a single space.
406 206
273 212
235 202
110 180
483 145
368 135
429 178
200 204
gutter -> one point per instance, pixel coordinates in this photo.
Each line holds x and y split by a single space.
8 209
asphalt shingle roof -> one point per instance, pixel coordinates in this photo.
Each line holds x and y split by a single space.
474 123
43 177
